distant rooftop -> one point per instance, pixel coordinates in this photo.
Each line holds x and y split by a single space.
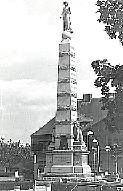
46 129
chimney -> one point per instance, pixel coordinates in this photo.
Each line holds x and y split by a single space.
87 97
112 96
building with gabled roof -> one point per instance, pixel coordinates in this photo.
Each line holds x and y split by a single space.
91 117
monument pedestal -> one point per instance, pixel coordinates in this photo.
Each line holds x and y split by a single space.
67 162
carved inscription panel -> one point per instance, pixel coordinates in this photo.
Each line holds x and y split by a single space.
62 159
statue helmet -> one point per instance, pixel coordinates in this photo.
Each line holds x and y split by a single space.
65 3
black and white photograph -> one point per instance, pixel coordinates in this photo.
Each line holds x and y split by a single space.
61 95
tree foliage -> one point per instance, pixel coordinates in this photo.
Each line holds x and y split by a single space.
108 75
111 14
13 153
115 150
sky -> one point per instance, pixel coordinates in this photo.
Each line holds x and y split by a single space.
30 33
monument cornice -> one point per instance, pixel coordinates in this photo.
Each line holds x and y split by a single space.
67 151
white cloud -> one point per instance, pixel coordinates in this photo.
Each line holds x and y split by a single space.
29 91
27 105
87 87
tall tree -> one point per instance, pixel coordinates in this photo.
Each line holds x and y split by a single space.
111 14
108 75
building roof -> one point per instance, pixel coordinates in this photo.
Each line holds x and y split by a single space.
46 129
91 110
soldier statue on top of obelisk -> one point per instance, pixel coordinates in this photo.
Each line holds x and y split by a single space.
66 18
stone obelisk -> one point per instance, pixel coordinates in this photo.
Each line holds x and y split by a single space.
67 153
